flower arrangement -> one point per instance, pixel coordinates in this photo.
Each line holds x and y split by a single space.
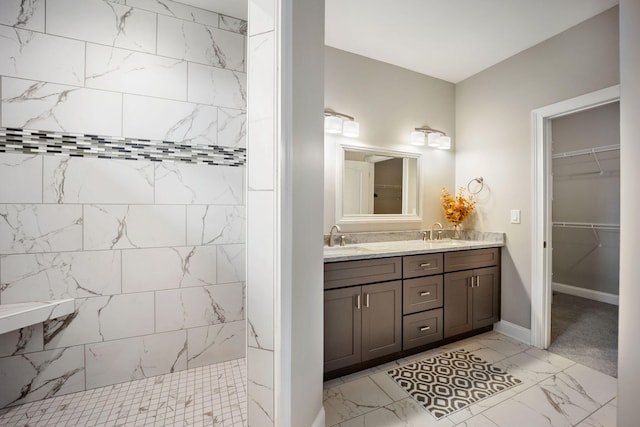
456 208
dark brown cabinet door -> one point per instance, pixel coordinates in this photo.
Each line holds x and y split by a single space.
486 298
381 319
342 327
457 303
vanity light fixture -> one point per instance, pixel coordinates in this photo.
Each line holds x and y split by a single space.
435 138
335 122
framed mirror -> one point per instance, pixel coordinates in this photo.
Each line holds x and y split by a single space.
377 185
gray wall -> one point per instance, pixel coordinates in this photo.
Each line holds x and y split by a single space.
152 252
389 102
493 134
583 257
629 345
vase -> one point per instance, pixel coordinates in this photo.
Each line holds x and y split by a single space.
457 234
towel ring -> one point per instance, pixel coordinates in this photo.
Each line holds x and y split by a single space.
480 181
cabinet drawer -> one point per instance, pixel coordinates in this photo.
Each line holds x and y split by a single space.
421 265
421 328
475 258
422 293
348 273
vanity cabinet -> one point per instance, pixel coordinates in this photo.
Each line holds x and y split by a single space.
364 322
471 297
379 309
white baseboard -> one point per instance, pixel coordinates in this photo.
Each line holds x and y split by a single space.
586 293
514 331
319 421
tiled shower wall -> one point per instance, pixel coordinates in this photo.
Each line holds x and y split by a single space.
153 252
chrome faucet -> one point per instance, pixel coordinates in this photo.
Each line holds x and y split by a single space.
334 227
439 231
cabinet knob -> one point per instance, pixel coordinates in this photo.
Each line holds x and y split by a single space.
424 328
424 294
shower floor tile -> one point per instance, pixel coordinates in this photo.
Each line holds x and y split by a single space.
212 395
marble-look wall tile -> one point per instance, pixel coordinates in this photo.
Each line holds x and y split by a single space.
211 224
41 277
46 106
233 24
136 73
21 341
232 128
261 16
200 43
216 86
24 172
199 306
261 162
168 268
92 180
260 273
36 376
165 120
177 10
140 357
231 263
23 53
198 184
102 319
103 22
23 14
260 398
133 226
214 344
40 228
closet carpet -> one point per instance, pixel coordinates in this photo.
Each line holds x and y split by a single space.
586 332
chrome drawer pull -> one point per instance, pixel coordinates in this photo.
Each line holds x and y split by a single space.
425 328
424 294
425 264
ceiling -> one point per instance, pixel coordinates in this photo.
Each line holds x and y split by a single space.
452 39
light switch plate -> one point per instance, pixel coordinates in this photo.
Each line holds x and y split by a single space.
515 216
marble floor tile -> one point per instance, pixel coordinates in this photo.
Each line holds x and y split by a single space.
555 392
352 399
603 417
527 368
405 413
563 399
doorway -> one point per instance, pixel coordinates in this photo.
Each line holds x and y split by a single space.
541 276
586 236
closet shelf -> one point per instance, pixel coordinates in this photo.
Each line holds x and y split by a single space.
595 225
586 151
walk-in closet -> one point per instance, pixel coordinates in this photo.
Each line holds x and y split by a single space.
586 236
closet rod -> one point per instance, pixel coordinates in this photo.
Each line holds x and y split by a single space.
586 151
599 226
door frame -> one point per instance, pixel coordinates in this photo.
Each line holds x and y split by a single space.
542 194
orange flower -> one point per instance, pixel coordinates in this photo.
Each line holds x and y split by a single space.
457 208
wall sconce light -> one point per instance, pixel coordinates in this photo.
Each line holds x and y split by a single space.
435 138
335 122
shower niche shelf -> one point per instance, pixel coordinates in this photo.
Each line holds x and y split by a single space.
19 315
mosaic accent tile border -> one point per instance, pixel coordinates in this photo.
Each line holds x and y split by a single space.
13 140
452 381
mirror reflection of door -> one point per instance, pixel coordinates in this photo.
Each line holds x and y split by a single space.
387 196
358 187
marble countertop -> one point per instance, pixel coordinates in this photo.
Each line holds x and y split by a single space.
402 247
19 315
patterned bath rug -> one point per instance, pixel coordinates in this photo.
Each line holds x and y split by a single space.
451 381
